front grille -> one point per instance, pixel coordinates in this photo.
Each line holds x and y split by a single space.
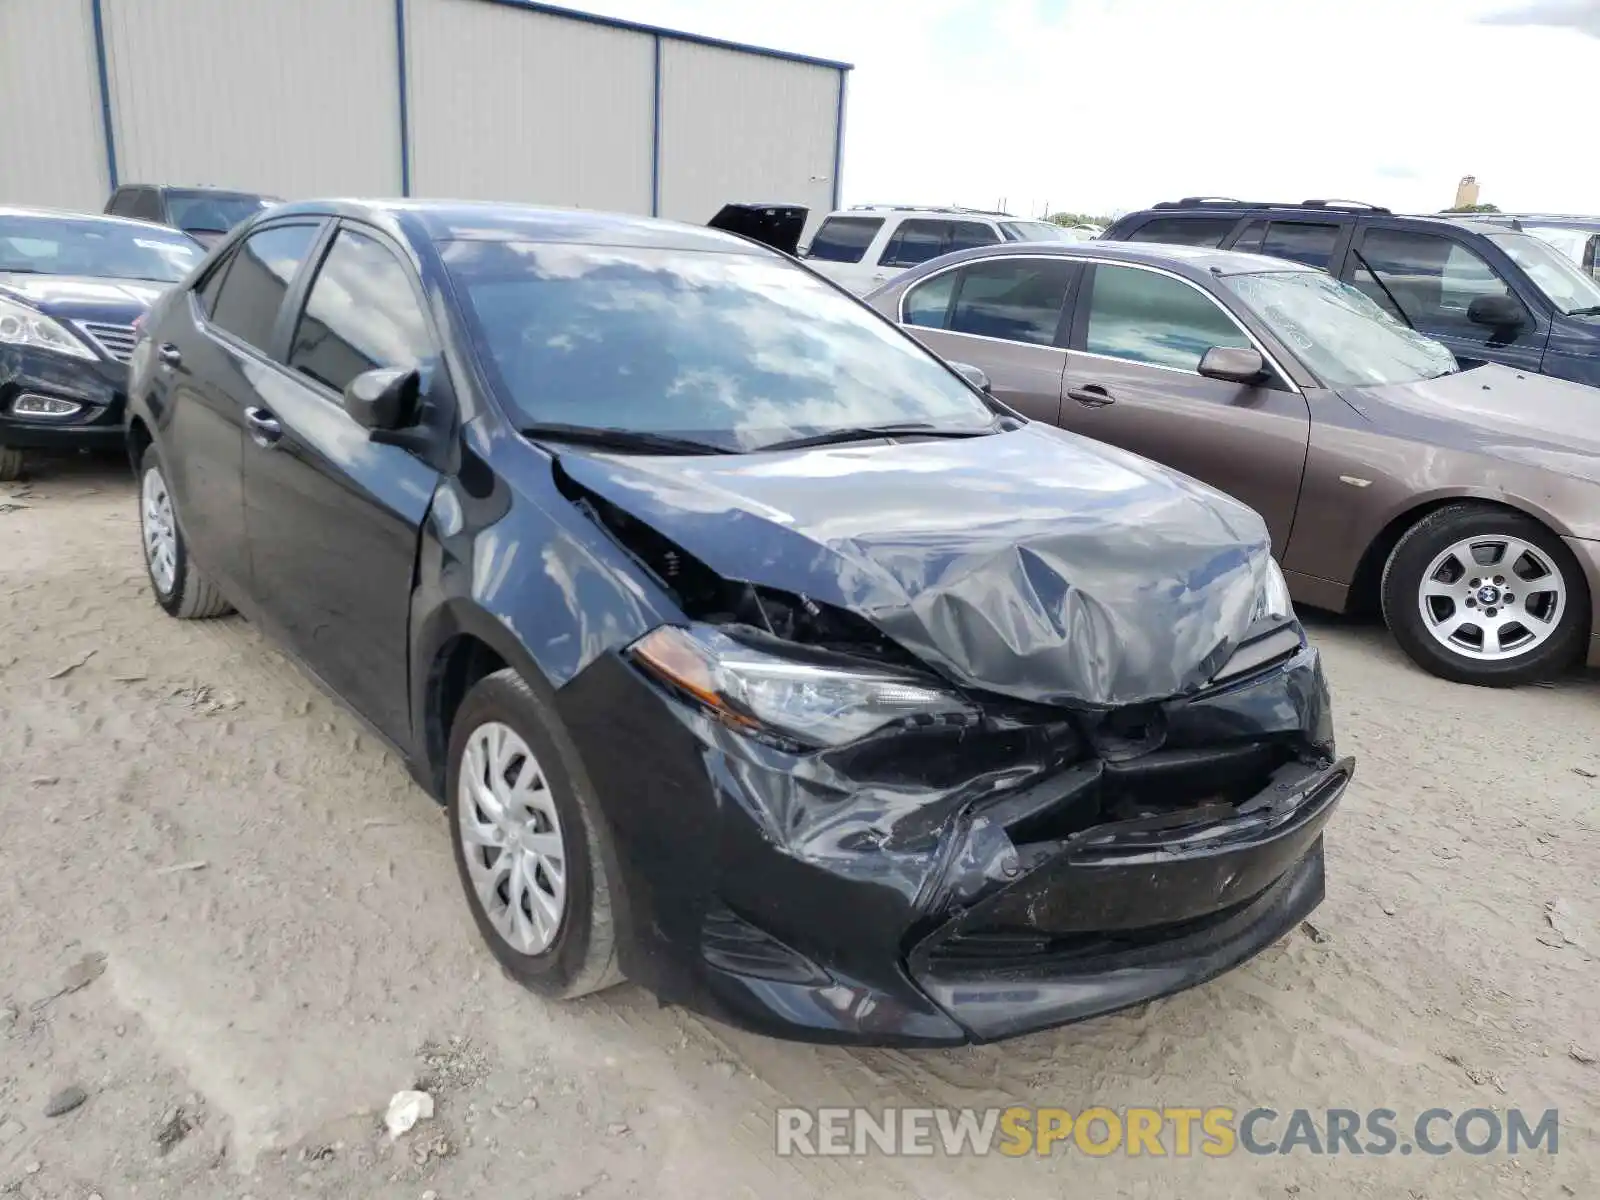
116 340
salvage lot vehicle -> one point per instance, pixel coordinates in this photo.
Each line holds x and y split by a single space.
71 287
204 213
1486 291
863 247
757 656
1465 502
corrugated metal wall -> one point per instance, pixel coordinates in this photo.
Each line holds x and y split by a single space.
738 127
295 97
516 105
51 150
503 101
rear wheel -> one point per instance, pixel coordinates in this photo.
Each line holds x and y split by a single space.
527 836
179 586
10 464
1480 595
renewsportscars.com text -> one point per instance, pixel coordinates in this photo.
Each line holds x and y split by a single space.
1215 1132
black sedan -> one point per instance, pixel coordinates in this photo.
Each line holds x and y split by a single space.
71 288
758 657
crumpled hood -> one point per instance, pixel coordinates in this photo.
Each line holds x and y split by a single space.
83 297
1033 563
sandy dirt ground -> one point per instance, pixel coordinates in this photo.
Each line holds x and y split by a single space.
230 919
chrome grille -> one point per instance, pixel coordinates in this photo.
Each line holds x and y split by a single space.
116 340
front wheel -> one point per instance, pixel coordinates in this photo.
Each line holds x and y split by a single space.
179 586
10 464
527 836
1484 596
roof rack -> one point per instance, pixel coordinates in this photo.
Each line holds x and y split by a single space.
938 208
1229 202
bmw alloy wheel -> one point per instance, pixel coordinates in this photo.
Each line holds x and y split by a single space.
511 838
1492 597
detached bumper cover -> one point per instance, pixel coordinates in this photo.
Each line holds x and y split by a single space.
941 886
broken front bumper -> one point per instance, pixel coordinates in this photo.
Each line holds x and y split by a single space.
951 885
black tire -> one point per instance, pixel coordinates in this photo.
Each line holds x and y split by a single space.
582 956
191 596
1431 537
10 464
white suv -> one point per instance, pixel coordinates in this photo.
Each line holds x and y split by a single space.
864 247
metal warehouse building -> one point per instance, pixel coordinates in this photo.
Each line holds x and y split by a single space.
501 99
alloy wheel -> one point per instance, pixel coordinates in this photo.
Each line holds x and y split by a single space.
511 838
1492 597
160 531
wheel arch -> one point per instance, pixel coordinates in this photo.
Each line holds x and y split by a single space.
139 439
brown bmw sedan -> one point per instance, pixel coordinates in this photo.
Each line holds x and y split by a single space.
1461 498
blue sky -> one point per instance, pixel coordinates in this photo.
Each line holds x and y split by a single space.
1106 105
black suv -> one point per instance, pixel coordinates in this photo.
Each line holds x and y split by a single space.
1488 292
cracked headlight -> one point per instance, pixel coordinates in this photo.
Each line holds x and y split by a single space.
24 326
1272 601
825 703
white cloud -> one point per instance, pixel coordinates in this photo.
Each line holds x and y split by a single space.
1104 105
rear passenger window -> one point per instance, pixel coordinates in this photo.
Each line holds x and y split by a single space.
253 287
360 314
928 303
915 242
844 239
1185 231
1301 242
1016 299
1151 318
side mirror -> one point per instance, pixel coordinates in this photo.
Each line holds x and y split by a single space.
973 375
1497 312
1234 364
384 399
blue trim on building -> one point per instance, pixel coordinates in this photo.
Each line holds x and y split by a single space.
105 92
838 140
661 32
405 114
655 137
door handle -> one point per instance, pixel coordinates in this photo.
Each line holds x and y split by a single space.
1091 395
264 427
168 354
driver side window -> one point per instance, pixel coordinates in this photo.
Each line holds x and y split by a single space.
1146 317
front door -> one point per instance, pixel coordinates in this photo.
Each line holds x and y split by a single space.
1132 380
1430 280
332 517
1003 315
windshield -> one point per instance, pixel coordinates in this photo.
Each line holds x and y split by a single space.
212 210
1041 231
737 350
1343 337
1557 276
108 249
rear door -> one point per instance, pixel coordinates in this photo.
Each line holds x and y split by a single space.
839 249
1003 315
211 350
917 240
332 517
1132 379
1429 280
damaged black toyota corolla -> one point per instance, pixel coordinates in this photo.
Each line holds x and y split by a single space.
759 658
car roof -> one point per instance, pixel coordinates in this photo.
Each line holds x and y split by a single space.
1242 210
484 220
1196 262
63 214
